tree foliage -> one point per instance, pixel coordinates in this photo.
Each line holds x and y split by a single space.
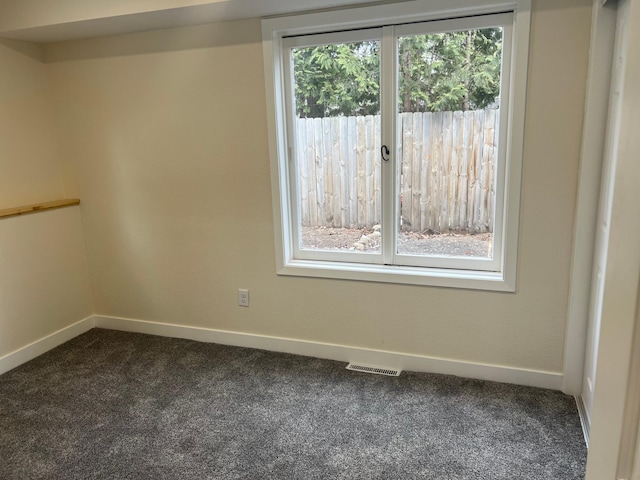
337 79
436 72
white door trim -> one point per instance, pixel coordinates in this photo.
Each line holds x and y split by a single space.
593 143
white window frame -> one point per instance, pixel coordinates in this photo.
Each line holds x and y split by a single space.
501 276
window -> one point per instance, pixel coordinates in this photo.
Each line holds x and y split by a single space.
396 141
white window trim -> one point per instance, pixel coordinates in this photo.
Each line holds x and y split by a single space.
414 11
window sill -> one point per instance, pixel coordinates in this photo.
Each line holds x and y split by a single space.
436 277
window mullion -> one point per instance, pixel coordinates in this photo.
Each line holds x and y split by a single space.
388 107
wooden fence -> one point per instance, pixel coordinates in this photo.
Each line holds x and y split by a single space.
447 171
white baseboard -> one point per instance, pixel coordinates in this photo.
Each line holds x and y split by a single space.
43 345
584 419
414 363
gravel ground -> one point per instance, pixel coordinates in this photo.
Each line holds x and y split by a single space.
414 243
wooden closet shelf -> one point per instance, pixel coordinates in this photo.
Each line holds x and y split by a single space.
38 207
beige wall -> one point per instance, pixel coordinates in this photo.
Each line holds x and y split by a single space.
18 14
29 160
45 21
44 282
165 141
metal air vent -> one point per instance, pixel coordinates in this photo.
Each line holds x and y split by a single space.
376 370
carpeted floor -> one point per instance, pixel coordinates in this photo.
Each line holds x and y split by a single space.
115 405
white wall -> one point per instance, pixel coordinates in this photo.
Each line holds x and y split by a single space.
165 141
44 281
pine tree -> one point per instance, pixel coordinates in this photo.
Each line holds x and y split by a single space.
441 71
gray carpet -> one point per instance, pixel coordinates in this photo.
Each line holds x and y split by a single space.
114 405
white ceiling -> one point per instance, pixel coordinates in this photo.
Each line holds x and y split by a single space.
106 18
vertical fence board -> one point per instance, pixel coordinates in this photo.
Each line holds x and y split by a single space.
416 164
361 169
434 185
345 175
303 174
406 178
327 171
477 187
447 147
424 173
487 170
483 180
319 170
377 170
368 173
472 170
454 179
464 170
353 171
310 153
492 162
334 129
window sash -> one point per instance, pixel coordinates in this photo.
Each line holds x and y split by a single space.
295 222
505 21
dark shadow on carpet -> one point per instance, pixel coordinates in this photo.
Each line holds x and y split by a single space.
115 405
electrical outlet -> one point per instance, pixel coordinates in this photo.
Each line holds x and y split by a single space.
243 297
